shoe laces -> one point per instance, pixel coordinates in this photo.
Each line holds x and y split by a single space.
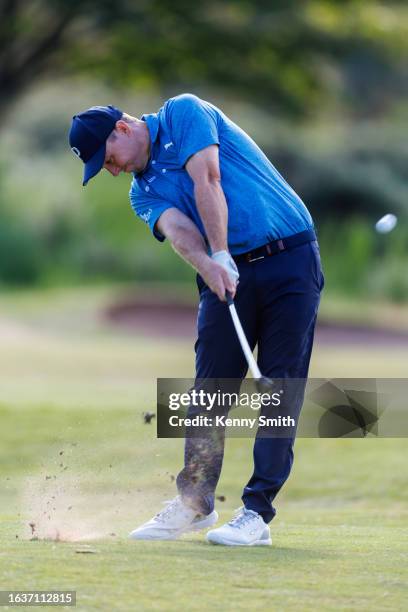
242 517
171 506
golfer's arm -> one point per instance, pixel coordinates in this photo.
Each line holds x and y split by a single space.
185 238
204 169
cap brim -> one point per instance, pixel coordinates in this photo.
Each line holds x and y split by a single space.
94 165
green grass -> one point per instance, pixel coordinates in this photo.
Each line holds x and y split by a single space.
339 536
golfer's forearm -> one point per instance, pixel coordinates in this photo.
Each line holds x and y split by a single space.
190 245
213 210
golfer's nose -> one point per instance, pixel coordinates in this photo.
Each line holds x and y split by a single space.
114 170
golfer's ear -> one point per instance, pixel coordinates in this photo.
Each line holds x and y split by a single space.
122 127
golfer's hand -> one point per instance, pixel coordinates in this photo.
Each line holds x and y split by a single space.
219 279
225 260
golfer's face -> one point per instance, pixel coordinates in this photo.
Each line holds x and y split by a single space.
120 154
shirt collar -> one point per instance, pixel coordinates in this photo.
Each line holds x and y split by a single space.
152 121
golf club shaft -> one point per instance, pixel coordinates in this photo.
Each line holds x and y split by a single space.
253 366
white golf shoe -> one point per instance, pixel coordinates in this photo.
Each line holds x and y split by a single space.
174 520
247 528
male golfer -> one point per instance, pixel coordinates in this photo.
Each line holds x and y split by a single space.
202 183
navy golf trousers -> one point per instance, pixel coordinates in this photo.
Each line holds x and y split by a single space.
277 301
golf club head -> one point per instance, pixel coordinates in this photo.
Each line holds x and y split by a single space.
265 384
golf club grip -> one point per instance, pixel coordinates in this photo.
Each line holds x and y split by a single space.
229 298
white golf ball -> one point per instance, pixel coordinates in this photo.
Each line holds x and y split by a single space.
386 224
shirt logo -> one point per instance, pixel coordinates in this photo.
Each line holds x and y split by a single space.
76 151
168 145
151 179
146 216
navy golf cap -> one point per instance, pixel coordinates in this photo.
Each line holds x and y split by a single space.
88 134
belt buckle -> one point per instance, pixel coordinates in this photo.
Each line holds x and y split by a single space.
250 260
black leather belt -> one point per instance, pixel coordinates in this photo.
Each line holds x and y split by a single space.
275 247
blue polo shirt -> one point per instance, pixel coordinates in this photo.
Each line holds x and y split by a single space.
262 207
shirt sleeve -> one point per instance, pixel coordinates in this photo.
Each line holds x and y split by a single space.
148 209
193 125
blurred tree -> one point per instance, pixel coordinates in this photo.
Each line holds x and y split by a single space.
283 55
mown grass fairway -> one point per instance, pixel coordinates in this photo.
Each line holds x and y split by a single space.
78 462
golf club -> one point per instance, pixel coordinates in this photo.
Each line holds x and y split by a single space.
263 383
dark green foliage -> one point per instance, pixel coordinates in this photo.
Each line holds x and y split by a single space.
291 57
20 255
360 262
92 234
357 171
297 59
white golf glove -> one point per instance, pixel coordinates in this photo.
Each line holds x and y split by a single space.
224 259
